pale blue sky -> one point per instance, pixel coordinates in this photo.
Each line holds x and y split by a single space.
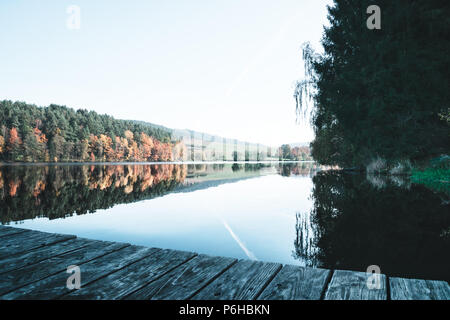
222 67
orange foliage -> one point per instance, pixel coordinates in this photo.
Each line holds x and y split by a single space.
2 144
40 137
135 153
129 135
14 137
130 178
38 188
13 187
92 145
106 143
120 150
102 147
146 147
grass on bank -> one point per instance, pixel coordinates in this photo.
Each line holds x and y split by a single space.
436 176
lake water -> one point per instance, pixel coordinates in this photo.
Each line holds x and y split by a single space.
291 213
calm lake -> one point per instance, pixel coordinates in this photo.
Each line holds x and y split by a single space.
290 213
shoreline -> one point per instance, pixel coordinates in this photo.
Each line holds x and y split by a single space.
11 164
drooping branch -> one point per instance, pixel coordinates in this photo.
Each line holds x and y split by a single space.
305 89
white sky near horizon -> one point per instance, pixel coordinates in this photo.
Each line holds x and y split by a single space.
220 67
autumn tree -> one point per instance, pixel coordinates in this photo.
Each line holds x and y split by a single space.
15 145
41 144
57 133
106 144
2 144
135 152
121 146
146 146
129 135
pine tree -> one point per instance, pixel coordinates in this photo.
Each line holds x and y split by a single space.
379 93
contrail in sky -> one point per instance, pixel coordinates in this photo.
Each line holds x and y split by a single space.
265 51
249 254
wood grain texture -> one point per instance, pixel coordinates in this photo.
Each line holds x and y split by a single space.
243 281
119 284
186 280
34 256
7 231
415 289
55 286
24 276
351 285
33 265
296 283
26 241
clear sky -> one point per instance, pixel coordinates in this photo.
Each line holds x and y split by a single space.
223 67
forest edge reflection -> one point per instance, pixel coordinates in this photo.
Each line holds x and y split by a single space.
355 221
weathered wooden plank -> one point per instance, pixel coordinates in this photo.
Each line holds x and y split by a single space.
33 266
351 285
25 241
415 289
55 286
119 284
296 283
18 278
34 256
186 280
243 281
7 231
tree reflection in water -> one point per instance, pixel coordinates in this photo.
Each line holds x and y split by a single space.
58 191
355 223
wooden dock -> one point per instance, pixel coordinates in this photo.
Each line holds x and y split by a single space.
33 265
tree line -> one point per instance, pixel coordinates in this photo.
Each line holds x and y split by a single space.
297 153
382 93
29 133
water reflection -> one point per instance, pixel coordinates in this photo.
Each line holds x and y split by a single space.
287 213
27 192
356 222
58 191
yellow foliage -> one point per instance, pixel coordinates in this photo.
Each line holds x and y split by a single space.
129 135
2 144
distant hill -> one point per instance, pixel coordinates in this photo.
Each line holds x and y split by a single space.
202 146
156 126
208 147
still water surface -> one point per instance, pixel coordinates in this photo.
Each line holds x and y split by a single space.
288 213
